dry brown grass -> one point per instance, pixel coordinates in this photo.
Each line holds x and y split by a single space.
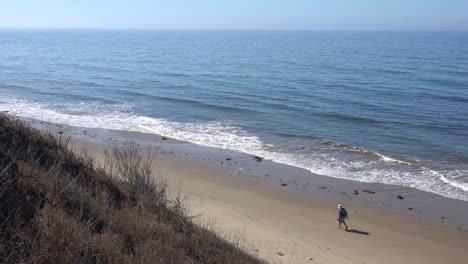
56 208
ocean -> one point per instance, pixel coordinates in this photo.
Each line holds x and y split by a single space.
389 107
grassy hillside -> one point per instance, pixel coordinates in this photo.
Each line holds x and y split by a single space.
55 207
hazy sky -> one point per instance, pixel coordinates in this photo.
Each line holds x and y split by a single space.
237 14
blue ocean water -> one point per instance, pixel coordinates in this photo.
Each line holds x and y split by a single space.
387 107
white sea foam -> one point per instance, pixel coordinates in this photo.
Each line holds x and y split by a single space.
388 159
229 136
454 182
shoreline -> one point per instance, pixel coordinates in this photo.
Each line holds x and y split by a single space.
353 161
289 219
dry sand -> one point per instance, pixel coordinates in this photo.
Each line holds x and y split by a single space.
286 227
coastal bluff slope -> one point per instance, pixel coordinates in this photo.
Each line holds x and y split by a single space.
59 207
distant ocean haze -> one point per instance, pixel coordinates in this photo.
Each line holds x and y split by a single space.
387 107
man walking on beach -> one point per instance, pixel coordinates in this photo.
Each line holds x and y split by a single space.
342 215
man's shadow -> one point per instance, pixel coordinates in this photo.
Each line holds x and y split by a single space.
358 232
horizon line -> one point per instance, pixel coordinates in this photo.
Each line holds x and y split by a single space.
231 29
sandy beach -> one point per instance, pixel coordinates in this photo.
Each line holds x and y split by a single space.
274 219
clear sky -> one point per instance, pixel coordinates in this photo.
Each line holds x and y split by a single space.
237 14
